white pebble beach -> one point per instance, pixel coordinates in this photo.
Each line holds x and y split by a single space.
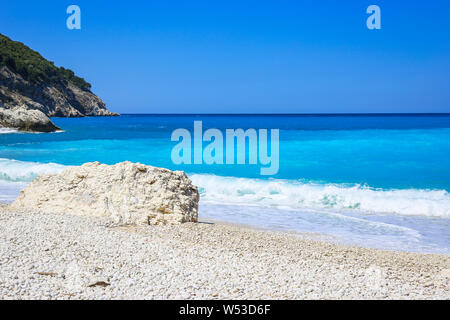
50 256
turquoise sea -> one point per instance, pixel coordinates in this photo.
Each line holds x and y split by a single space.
374 180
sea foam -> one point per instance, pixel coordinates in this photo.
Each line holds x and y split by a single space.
23 171
289 194
281 194
7 130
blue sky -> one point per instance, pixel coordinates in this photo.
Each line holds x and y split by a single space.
247 56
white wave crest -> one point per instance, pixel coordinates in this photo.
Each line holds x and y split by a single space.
10 130
23 171
283 194
297 195
7 130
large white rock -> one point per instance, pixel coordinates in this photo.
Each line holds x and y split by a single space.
25 119
128 192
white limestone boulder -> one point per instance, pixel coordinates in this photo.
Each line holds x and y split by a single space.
24 119
128 192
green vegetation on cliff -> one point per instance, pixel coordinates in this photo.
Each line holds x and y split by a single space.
33 67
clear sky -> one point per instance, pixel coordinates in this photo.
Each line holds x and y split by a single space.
247 56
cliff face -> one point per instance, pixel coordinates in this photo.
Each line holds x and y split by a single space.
55 100
29 80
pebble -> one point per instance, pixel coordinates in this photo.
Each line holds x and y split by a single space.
199 261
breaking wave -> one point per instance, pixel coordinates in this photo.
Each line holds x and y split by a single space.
289 194
23 171
282 194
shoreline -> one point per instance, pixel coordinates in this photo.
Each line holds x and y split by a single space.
402 219
46 256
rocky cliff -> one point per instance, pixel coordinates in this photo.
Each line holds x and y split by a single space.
27 79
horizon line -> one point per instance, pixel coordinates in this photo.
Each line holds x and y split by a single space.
293 114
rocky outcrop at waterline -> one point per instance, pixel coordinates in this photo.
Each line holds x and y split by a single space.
22 119
129 193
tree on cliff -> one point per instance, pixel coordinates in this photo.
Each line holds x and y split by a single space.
33 67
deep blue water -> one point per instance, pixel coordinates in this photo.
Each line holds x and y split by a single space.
362 178
380 151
